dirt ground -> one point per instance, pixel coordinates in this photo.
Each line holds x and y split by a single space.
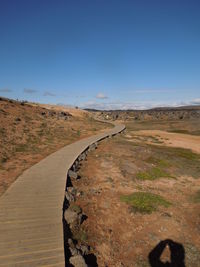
122 228
171 139
28 133
76 112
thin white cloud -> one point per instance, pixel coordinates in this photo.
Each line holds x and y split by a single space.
65 105
135 105
48 94
29 91
196 101
117 105
80 96
5 90
101 96
149 91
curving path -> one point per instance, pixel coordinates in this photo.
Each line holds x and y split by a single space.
31 229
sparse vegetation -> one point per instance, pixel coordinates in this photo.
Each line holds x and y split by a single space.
179 131
185 131
4 159
80 236
2 131
153 174
181 153
109 179
154 139
144 202
78 132
196 197
158 162
183 126
75 208
177 161
21 148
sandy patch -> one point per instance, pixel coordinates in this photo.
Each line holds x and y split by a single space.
173 139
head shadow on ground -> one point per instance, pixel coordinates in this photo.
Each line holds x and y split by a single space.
177 257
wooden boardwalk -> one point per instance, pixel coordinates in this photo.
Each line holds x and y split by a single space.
31 229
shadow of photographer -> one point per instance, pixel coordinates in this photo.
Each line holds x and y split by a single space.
177 257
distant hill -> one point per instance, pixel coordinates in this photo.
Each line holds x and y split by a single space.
192 107
160 113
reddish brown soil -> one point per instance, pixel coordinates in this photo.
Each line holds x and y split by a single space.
120 237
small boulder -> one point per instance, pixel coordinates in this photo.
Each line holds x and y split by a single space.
92 147
51 113
71 216
74 251
84 249
77 261
79 193
82 156
72 174
69 196
72 190
63 113
76 165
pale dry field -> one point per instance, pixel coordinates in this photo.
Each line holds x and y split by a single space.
171 139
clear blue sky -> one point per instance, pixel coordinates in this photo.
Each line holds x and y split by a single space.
105 53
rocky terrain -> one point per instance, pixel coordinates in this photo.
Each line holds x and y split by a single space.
77 252
139 192
181 113
30 132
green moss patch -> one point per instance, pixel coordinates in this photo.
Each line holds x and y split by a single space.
186 154
144 202
152 174
176 161
81 236
159 162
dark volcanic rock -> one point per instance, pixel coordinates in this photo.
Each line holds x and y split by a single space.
72 174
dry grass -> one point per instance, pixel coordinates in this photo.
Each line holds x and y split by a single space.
29 133
185 126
